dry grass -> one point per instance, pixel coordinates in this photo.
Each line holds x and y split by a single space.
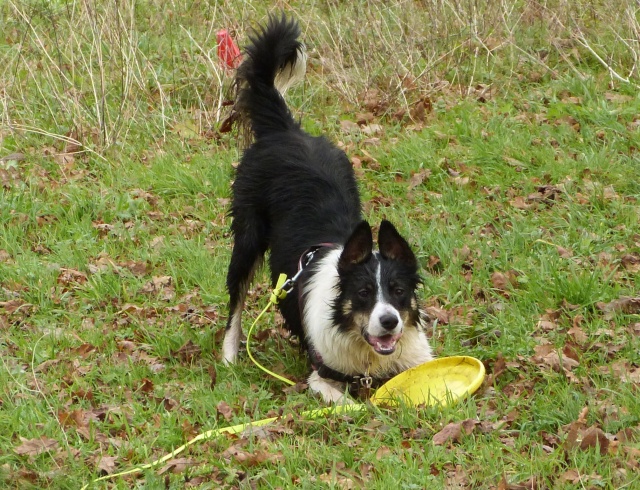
86 73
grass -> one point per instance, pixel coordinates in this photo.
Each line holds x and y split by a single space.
502 141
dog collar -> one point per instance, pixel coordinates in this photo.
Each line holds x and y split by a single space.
355 382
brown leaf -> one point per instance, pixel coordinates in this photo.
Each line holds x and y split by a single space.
548 321
157 284
188 352
84 350
451 432
519 202
136 268
107 464
77 418
382 452
418 111
349 126
418 178
71 276
469 425
503 281
434 263
12 306
34 447
625 304
570 476
252 459
225 410
371 129
177 465
556 362
631 262
437 313
146 385
364 117
499 367
595 437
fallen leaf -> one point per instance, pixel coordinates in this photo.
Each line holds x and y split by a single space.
12 306
371 129
570 476
349 127
107 464
631 262
225 410
136 268
252 459
188 352
418 178
162 286
382 452
595 437
177 465
71 276
625 304
503 281
34 447
436 313
469 425
519 202
451 432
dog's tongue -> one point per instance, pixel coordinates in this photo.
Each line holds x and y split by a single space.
385 344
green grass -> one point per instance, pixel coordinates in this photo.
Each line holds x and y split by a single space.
517 187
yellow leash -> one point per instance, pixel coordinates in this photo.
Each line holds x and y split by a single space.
277 294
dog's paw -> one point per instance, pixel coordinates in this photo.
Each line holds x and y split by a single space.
230 347
229 355
331 391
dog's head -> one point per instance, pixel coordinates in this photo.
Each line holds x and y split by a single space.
377 289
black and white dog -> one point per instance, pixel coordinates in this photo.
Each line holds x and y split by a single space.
354 308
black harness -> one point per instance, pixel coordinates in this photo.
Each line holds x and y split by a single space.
357 383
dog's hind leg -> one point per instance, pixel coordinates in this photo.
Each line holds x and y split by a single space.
246 259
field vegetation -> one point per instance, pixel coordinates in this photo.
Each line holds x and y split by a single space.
502 137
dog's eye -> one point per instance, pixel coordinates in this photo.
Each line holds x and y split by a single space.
398 291
363 293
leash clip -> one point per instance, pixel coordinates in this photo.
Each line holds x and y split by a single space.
305 260
366 381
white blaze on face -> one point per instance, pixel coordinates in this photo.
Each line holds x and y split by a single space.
385 323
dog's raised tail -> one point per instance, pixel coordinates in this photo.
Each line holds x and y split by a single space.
275 60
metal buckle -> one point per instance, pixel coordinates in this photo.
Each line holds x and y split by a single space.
366 381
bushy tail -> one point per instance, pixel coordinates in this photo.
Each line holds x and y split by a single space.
275 60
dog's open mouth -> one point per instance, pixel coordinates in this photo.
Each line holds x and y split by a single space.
385 344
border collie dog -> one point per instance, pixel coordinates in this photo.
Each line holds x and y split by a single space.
353 307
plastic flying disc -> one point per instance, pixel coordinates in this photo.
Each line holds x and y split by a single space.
438 382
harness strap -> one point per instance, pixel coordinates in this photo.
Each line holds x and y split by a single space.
355 382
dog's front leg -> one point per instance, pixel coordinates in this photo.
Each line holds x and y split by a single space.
331 391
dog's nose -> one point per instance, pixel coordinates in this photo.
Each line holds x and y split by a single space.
388 321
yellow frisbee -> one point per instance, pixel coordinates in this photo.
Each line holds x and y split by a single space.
438 382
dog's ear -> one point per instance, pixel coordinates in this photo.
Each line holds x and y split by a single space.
392 246
358 248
